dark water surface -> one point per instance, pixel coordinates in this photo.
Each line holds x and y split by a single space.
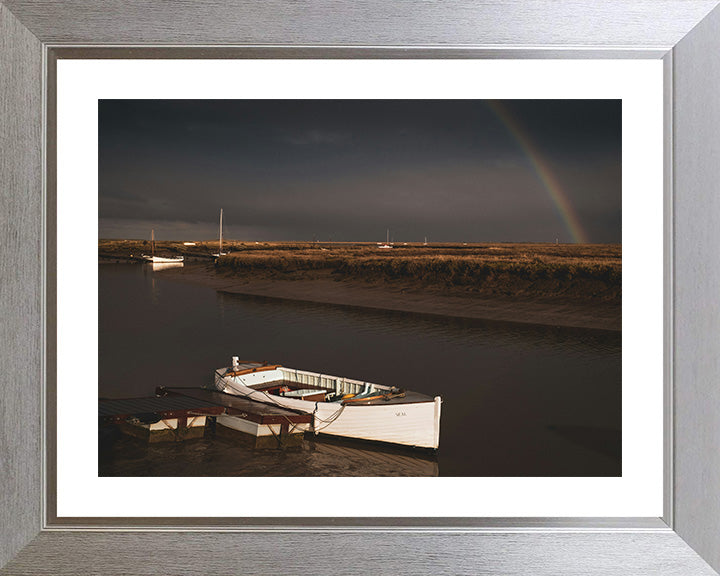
518 400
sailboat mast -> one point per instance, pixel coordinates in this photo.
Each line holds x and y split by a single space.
152 241
220 251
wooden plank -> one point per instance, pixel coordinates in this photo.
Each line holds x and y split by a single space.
250 368
120 409
243 407
207 411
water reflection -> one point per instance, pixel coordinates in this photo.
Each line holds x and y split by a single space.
218 456
458 331
157 266
149 268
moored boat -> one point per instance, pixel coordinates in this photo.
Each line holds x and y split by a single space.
159 259
387 245
339 406
163 259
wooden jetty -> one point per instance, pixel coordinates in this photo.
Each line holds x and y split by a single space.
177 414
270 426
158 419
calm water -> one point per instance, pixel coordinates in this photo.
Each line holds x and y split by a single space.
518 400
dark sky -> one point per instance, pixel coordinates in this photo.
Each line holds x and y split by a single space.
451 170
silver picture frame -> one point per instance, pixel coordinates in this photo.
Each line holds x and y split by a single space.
684 34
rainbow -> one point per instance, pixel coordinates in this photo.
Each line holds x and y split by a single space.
559 198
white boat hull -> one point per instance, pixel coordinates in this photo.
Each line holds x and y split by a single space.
162 260
415 424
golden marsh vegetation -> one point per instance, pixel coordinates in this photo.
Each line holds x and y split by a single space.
585 272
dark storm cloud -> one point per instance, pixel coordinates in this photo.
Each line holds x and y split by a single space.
348 170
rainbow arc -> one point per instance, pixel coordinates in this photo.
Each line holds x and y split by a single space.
543 171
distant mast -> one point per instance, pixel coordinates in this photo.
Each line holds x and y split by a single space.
152 241
220 236
221 214
387 241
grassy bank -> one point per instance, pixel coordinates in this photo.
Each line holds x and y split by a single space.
587 273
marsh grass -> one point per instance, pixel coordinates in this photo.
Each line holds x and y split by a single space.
588 272
514 270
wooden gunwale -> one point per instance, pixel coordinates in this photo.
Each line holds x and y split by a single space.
251 370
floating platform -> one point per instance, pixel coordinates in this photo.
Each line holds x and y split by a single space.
159 419
177 414
269 426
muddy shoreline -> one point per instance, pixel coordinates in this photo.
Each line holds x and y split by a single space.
407 297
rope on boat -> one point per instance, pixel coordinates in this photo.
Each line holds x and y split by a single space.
238 392
277 437
334 416
272 400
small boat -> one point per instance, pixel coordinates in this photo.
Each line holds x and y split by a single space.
339 406
163 259
220 252
159 259
387 245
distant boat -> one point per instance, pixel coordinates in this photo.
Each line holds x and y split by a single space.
163 259
339 406
220 252
387 244
159 259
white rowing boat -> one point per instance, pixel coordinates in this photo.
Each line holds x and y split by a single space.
340 406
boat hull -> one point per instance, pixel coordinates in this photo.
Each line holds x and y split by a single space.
414 424
162 260
406 424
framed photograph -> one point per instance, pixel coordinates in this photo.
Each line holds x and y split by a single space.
591 146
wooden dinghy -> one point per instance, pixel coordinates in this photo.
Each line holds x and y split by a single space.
339 406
